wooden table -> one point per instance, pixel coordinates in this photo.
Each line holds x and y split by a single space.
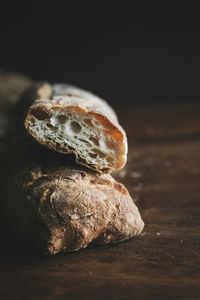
163 172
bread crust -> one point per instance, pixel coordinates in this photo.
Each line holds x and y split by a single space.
63 210
76 101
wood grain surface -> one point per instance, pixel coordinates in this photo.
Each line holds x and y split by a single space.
163 171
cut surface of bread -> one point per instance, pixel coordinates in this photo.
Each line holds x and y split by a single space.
80 123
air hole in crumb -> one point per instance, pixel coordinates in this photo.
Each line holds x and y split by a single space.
94 140
86 142
40 114
88 122
93 155
62 119
49 125
70 148
59 135
75 127
99 153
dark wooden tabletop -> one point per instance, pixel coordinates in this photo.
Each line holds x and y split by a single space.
163 171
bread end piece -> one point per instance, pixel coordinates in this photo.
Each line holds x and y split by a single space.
97 142
67 210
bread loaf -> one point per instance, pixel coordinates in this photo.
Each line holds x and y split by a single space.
61 210
53 203
78 122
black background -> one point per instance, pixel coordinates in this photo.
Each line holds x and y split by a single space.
133 53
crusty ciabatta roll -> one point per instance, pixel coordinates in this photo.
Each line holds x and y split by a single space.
65 209
76 121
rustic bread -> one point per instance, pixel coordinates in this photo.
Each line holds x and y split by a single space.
65 210
55 204
78 122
